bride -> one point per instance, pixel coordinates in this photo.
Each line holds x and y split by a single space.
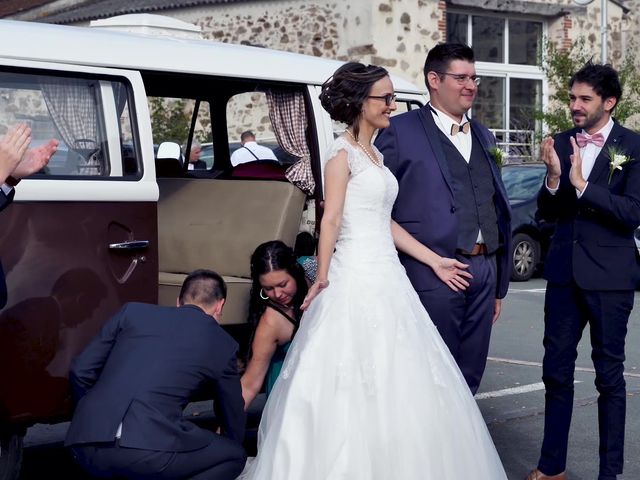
368 389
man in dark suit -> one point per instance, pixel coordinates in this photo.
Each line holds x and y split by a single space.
18 161
592 267
136 376
452 199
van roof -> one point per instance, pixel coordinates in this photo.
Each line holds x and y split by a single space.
109 48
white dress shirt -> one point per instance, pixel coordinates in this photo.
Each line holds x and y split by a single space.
241 155
461 140
588 154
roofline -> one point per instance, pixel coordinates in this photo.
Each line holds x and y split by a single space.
77 13
108 48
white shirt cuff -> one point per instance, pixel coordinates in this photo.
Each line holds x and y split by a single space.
580 193
552 191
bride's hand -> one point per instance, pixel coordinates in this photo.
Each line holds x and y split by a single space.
314 290
453 273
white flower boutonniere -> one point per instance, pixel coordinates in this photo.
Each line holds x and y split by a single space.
616 160
498 156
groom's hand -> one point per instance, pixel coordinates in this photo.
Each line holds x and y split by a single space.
496 311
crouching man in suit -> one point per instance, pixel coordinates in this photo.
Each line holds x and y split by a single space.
134 379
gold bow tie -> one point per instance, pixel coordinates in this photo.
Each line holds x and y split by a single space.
464 128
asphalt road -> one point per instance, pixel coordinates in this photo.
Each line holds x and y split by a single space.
511 399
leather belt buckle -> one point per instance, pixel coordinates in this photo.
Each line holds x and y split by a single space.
478 249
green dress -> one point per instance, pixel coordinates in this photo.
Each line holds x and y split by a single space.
275 366
279 355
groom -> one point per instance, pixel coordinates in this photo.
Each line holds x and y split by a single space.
592 267
452 200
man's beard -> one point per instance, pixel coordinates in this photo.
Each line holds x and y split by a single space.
590 121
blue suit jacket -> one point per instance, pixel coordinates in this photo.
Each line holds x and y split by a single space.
593 242
425 206
143 368
4 201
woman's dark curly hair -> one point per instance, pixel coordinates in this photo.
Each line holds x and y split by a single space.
344 93
269 257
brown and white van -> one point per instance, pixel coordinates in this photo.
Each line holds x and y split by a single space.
113 218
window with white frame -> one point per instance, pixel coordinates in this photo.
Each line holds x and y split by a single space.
508 53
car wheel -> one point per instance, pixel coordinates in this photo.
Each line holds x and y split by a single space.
525 256
10 455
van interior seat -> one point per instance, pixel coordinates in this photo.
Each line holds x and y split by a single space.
217 224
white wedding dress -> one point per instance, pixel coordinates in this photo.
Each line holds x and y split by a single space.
369 391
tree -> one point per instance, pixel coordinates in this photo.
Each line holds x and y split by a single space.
169 121
560 65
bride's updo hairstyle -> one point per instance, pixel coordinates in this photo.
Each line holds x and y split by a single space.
344 93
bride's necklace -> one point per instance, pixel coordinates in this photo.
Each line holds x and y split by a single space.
376 161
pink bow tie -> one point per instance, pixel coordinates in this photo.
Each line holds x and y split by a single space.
582 139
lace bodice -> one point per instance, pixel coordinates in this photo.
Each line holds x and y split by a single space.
371 192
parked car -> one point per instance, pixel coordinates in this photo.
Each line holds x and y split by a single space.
531 235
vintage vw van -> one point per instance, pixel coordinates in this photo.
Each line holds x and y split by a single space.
113 218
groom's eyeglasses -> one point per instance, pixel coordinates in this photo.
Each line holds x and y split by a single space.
389 98
461 78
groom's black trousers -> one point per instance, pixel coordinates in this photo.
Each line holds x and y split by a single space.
222 459
464 318
568 309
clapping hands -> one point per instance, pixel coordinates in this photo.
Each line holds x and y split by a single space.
575 174
16 159
13 146
550 158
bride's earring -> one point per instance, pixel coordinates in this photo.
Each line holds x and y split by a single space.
263 296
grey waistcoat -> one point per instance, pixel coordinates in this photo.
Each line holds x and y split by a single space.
473 192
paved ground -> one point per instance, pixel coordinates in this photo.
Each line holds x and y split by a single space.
516 419
511 400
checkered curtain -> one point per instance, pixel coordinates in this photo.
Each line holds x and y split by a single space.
289 120
72 106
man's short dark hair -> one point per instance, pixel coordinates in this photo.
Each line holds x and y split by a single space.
440 56
244 136
602 78
202 287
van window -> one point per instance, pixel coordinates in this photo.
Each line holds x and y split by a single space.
171 119
89 116
277 113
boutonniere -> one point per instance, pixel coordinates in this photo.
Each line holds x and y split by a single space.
498 156
617 158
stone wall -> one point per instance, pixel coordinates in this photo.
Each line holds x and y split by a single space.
394 33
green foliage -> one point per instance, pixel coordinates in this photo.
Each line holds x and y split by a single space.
169 121
560 65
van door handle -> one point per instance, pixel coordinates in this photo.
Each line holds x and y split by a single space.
132 245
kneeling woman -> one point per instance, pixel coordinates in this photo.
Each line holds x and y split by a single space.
278 289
